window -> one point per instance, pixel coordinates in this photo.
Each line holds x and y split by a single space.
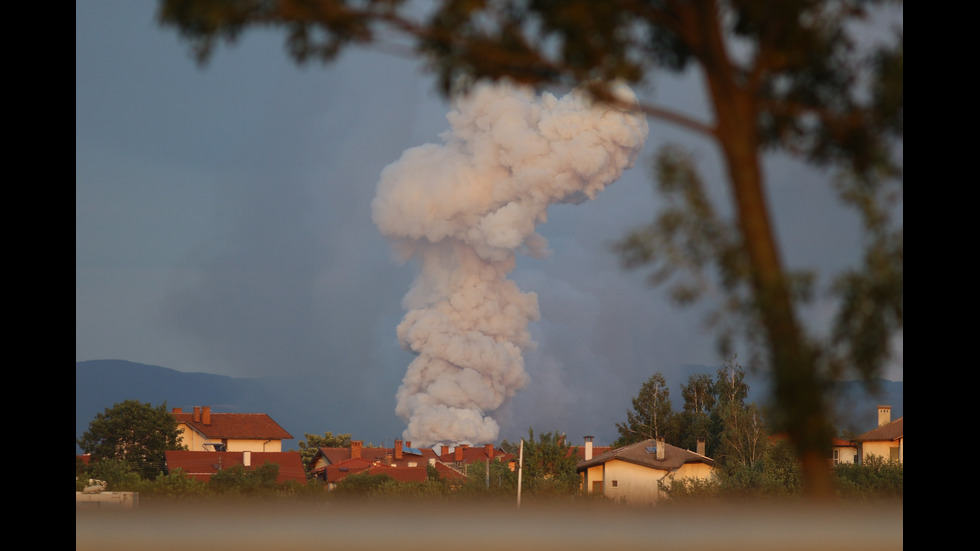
615 484
893 454
836 457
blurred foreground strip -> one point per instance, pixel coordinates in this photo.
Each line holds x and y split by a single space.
422 527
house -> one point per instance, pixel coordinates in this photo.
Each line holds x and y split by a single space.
632 473
402 463
202 465
204 430
887 440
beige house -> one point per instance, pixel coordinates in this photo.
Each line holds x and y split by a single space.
633 473
887 440
203 430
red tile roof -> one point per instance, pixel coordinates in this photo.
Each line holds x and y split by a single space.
411 467
579 451
250 426
202 465
387 456
465 455
343 469
447 472
401 474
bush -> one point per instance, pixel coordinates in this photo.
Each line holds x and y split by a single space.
177 484
874 479
361 484
235 480
691 489
118 475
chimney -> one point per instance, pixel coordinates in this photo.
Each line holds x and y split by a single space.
178 410
443 451
355 449
588 448
206 415
660 448
398 450
247 458
884 415
458 453
700 445
488 449
197 414
408 443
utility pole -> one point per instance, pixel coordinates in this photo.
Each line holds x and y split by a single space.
520 472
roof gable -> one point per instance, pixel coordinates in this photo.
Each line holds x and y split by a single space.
642 453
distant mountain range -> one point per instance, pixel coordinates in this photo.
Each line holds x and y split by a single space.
297 404
304 408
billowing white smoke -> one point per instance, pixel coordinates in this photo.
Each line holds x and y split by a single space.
463 209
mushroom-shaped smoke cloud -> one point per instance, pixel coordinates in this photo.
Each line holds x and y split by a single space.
463 209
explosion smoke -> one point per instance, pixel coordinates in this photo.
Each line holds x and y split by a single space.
464 209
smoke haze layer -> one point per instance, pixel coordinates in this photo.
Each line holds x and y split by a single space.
463 209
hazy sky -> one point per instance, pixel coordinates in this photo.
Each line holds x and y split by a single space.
223 225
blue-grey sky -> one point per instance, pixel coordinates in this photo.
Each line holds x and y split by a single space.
223 225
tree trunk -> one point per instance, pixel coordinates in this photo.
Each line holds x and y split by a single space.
799 394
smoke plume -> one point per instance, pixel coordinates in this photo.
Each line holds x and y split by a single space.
463 210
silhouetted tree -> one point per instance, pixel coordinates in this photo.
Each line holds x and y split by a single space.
134 433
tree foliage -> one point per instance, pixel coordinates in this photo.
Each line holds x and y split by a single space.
742 429
695 422
715 410
489 479
134 433
651 413
787 76
873 480
549 465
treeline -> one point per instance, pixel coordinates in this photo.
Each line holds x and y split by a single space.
714 410
735 434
